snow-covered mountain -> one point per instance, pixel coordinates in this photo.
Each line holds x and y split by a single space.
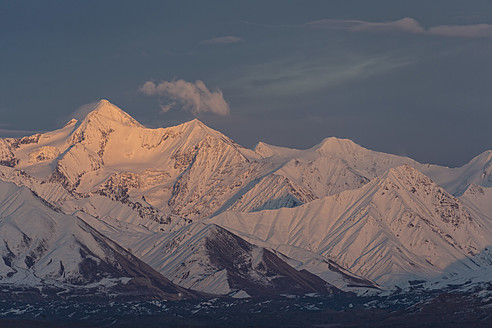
42 247
336 165
398 227
457 180
193 171
189 170
338 210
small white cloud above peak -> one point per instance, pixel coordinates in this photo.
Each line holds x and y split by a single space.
193 97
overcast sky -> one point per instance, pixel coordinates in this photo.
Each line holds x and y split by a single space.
406 77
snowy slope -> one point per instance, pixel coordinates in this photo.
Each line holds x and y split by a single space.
271 192
398 227
457 180
181 255
208 258
478 199
41 246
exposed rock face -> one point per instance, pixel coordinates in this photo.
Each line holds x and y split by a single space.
42 154
211 259
7 157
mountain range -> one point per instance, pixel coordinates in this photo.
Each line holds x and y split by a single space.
185 211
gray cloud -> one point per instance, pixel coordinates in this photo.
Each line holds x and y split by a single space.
465 31
194 97
222 40
408 25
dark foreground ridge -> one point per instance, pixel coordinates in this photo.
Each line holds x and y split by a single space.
455 306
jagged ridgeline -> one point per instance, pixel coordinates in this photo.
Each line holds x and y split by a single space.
335 216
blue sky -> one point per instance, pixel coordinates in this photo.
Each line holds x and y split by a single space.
405 77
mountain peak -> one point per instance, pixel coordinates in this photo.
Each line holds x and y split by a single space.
104 101
107 111
196 127
407 173
103 118
404 169
333 145
196 123
485 158
263 149
410 184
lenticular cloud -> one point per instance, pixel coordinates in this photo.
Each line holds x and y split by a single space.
194 97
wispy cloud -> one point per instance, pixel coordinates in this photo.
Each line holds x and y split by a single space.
408 25
194 97
222 40
296 75
81 112
464 31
